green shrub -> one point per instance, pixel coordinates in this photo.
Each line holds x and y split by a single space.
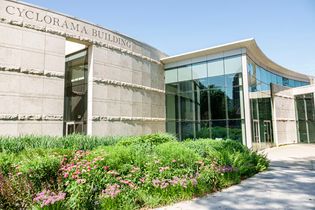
152 139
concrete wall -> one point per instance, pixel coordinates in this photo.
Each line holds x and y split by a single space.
31 81
284 117
128 94
126 78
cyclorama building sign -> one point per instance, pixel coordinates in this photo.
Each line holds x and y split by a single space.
66 24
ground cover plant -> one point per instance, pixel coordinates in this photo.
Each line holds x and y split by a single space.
80 172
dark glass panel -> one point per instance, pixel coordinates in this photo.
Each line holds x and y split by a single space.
186 86
187 129
216 82
202 129
217 104
202 105
201 84
300 108
309 100
218 129
264 107
187 106
75 101
254 108
233 79
76 87
233 102
285 81
172 127
302 131
171 88
171 106
235 130
311 128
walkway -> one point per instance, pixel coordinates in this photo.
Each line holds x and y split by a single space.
288 184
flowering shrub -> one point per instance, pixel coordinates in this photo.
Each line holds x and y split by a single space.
49 198
131 174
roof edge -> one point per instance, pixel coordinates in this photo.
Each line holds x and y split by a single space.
252 49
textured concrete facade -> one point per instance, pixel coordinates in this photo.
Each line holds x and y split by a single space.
284 116
126 78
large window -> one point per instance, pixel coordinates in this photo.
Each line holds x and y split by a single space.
205 99
305 117
75 103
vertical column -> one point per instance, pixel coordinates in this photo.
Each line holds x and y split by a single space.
274 115
90 90
247 128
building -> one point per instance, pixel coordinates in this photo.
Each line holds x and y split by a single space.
60 75
234 91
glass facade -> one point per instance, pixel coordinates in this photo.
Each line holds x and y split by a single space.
305 117
205 99
259 83
75 103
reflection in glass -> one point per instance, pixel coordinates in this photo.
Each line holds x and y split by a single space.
184 73
216 82
218 129
199 70
233 64
200 102
202 129
215 68
187 129
235 130
187 106
171 106
75 102
217 104
171 76
202 105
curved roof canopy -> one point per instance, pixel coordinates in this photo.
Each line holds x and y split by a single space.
253 51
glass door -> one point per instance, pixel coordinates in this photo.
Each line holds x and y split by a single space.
74 127
75 101
267 131
256 131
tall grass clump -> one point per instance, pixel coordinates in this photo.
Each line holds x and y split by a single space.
75 142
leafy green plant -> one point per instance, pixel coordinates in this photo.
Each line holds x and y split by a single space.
82 172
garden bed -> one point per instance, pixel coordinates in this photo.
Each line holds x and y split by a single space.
79 172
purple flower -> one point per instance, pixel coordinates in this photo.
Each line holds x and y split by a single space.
47 198
111 191
156 182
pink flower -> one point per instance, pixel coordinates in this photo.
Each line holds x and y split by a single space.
106 168
46 198
111 190
142 179
164 168
65 175
174 161
156 182
81 181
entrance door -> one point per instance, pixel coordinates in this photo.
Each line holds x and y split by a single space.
267 131
74 127
256 131
75 103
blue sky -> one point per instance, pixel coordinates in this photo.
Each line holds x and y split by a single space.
284 29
